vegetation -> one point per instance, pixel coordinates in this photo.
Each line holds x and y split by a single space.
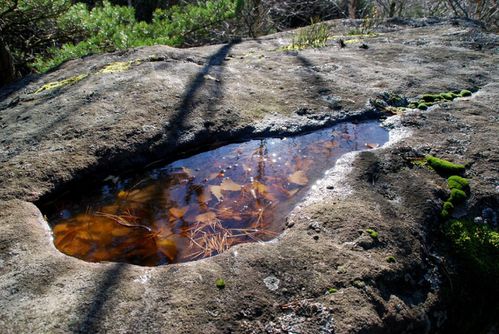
476 244
109 28
313 36
458 182
330 291
444 166
372 233
391 259
38 35
220 283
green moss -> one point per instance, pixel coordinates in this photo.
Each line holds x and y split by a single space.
62 83
448 206
457 182
465 92
391 259
422 106
358 284
477 245
330 291
412 105
444 166
455 95
456 196
430 97
374 234
447 96
220 283
444 214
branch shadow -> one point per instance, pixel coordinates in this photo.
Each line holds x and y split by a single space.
211 71
91 316
89 320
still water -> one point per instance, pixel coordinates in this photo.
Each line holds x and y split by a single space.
202 205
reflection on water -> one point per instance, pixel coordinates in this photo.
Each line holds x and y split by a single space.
202 205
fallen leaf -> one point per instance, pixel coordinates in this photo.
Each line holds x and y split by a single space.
206 217
229 185
259 187
330 144
293 192
303 164
167 247
346 136
177 213
371 146
217 192
298 177
214 175
205 196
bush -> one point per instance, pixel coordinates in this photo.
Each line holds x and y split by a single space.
28 28
477 244
108 28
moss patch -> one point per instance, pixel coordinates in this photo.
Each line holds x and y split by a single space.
220 283
458 182
422 106
465 92
62 83
372 233
444 166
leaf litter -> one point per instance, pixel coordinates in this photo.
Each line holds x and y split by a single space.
202 205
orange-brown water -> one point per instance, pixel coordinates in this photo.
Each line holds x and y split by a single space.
202 205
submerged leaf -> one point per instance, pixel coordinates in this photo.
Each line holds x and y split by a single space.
178 213
217 192
229 185
207 217
298 177
168 248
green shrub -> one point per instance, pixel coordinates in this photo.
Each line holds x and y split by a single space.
391 259
477 244
109 28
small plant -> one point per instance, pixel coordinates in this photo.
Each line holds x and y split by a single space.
330 291
313 36
372 233
220 283
391 259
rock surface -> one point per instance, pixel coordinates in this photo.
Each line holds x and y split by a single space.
166 101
